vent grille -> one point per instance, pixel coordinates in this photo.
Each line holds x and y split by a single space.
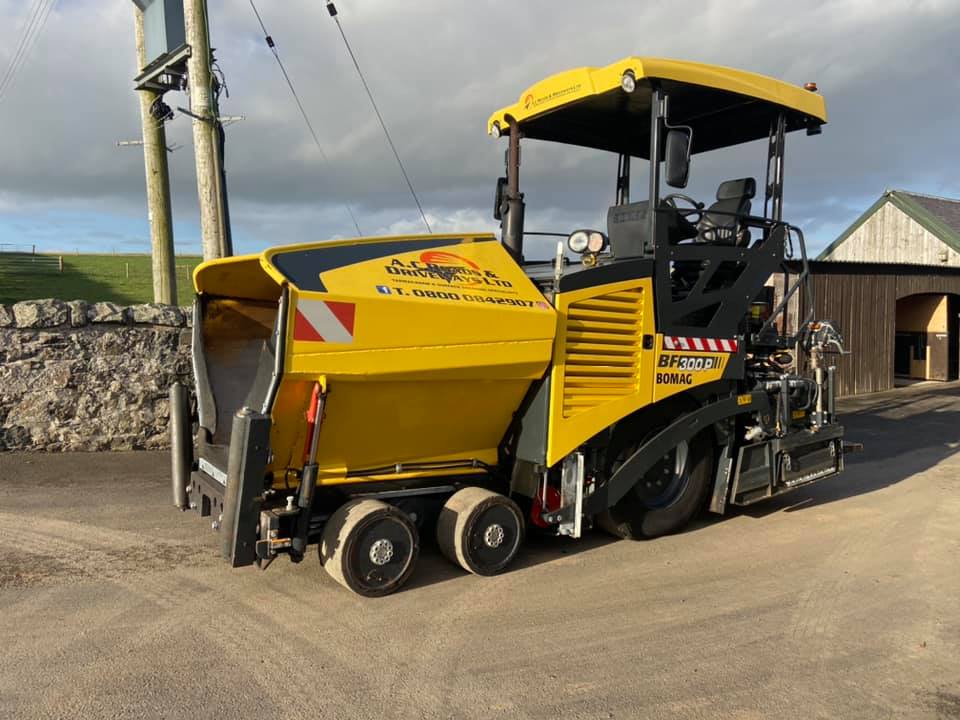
602 354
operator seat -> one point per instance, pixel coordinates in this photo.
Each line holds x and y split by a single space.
721 222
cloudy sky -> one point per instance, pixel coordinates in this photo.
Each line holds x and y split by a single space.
890 72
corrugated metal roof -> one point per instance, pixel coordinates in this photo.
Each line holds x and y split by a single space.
872 267
946 210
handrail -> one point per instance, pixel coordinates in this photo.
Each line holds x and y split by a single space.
802 279
767 225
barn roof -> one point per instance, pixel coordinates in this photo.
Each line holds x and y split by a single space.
938 215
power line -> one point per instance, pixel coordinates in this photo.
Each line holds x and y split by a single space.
316 141
32 31
15 58
27 30
38 30
331 8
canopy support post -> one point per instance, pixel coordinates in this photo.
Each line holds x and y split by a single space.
513 222
775 153
656 123
623 179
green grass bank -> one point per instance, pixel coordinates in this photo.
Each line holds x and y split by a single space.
123 279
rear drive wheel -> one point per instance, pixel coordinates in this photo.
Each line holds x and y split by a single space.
667 496
369 547
480 530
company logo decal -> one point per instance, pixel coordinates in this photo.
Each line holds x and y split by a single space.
530 101
692 362
675 368
440 275
451 268
447 267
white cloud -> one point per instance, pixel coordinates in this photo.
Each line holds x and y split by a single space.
438 69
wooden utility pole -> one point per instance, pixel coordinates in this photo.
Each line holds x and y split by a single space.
206 134
158 185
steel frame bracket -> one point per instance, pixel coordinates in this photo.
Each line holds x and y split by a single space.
166 72
683 429
721 482
243 496
570 515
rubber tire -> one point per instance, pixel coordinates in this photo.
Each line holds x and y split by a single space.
344 529
457 522
631 519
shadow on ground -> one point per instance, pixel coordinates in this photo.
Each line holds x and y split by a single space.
433 567
904 432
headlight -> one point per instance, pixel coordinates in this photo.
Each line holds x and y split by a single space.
578 241
495 130
596 242
628 81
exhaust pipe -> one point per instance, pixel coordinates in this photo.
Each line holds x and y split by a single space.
513 221
181 444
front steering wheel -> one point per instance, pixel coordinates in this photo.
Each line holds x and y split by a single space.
697 208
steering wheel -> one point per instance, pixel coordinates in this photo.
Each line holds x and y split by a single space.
697 208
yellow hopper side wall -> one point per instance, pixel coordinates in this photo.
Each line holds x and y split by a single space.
426 354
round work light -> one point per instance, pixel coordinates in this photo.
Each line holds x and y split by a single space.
578 241
596 242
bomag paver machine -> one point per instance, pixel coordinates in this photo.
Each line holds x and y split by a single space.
356 394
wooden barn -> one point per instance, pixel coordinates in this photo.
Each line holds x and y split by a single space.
892 283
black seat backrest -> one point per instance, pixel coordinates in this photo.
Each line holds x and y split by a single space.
721 221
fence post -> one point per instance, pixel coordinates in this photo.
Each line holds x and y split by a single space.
60 262
127 265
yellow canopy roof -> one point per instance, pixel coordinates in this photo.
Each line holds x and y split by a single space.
587 106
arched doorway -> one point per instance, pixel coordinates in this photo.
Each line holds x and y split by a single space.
927 335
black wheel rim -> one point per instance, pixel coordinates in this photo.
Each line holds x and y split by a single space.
494 537
381 553
666 481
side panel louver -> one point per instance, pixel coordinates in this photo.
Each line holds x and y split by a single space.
602 369
601 359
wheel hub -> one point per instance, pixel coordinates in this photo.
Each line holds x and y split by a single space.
666 480
381 552
493 535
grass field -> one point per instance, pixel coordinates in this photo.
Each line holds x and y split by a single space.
123 279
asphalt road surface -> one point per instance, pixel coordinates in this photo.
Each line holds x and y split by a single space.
839 601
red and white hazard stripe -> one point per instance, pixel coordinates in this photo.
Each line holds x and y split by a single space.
695 344
324 321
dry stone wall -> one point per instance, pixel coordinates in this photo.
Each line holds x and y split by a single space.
78 376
